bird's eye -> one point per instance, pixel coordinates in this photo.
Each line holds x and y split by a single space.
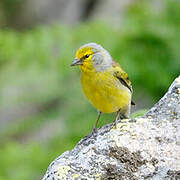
86 56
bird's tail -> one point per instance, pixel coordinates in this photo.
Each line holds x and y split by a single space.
132 103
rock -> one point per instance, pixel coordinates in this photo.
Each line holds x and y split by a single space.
147 147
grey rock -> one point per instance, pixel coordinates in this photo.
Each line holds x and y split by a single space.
147 147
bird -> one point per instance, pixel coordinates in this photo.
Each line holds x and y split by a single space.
105 84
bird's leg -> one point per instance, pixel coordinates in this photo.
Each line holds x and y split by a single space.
95 126
94 129
116 118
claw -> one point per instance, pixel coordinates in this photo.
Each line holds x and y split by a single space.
93 133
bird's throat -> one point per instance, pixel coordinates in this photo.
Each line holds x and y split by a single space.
87 68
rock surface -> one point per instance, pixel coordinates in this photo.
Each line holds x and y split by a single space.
147 147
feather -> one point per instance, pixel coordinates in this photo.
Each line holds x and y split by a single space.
122 76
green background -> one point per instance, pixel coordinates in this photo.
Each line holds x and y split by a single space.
36 78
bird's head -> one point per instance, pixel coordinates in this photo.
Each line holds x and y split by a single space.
92 57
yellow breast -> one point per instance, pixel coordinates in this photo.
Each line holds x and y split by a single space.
105 91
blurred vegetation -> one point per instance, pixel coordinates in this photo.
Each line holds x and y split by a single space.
36 78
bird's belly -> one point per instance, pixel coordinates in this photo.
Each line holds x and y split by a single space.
105 93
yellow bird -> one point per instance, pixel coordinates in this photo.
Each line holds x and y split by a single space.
105 84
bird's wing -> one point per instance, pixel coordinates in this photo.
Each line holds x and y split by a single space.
122 76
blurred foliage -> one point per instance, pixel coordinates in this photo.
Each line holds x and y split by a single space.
36 78
9 8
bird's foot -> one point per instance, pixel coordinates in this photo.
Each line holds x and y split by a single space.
114 125
93 133
119 120
89 137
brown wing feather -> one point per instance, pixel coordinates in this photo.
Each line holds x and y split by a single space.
122 76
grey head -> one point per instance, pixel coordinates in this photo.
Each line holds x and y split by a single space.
101 57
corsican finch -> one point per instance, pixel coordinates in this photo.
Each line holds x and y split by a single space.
105 84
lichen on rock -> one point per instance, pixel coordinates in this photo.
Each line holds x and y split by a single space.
147 147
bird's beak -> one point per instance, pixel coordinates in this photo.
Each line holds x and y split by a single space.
77 62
